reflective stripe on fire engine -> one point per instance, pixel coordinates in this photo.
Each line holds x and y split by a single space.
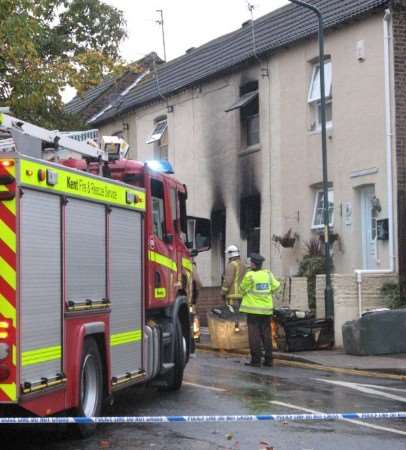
187 264
8 277
162 260
125 338
160 293
81 186
41 355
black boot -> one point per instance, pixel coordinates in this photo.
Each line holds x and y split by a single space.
253 363
268 363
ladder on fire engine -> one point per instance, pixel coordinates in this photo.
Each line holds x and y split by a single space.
31 140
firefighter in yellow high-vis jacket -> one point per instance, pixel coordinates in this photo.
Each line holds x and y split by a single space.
233 275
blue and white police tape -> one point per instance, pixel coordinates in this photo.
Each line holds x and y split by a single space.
200 419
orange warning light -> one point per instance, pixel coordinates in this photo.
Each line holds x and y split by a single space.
7 163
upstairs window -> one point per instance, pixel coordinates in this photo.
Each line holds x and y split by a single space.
248 104
314 96
159 138
318 213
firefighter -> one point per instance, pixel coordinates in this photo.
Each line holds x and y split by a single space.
233 275
257 288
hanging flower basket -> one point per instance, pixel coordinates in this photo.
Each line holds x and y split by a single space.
287 240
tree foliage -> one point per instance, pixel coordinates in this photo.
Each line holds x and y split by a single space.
46 45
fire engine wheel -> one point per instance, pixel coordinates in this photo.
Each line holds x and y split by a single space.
175 377
91 386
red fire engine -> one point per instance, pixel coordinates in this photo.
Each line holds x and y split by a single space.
95 272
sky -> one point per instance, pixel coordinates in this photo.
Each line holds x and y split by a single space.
187 23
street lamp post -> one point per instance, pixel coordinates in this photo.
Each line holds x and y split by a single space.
328 293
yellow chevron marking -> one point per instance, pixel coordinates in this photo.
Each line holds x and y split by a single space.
10 390
7 236
10 205
7 310
8 273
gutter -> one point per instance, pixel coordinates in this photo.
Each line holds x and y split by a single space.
388 65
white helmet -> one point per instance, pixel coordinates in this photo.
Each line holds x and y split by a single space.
232 251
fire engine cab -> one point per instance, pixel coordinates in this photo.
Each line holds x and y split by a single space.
95 271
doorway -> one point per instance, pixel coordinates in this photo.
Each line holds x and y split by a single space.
368 228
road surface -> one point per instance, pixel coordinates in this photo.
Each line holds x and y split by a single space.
217 384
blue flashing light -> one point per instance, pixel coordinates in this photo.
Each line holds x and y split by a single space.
162 165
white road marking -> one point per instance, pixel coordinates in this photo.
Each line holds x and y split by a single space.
384 388
364 389
355 422
211 388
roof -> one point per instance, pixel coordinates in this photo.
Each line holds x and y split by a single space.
109 89
79 102
280 28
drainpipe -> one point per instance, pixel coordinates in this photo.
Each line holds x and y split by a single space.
387 27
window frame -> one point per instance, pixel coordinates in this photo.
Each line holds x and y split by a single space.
161 209
156 135
246 118
314 101
173 201
320 195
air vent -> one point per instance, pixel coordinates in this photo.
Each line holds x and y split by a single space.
246 23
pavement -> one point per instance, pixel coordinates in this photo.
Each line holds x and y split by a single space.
389 366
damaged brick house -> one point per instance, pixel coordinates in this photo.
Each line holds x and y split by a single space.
240 122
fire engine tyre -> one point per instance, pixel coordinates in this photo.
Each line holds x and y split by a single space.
175 377
91 386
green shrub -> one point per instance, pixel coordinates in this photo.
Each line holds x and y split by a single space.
394 294
312 264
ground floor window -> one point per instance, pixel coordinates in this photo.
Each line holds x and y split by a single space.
250 222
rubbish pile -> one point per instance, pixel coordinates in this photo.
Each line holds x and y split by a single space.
227 328
292 330
296 330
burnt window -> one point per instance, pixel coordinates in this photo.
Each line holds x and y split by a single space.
250 222
248 104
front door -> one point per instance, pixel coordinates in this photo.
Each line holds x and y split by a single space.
368 228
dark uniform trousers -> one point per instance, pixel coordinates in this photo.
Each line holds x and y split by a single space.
259 336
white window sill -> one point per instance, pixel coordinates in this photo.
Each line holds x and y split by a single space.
320 228
329 128
252 149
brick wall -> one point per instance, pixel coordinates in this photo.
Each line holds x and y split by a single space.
209 297
399 47
346 297
292 293
320 286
